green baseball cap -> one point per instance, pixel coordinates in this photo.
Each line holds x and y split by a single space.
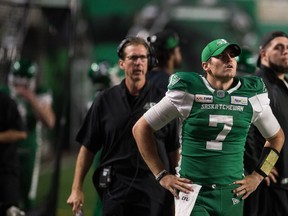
24 68
216 47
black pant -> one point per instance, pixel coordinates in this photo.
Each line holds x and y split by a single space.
123 200
9 192
267 201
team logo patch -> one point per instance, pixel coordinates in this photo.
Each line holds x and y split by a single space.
173 80
203 98
239 100
220 93
185 198
235 201
148 105
221 41
264 86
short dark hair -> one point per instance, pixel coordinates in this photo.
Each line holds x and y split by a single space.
163 44
266 39
164 40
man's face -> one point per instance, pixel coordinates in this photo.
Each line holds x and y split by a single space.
23 82
135 62
275 55
222 67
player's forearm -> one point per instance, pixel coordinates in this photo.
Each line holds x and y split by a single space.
173 160
144 137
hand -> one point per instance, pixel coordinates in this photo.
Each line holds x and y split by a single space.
25 92
175 184
248 185
272 177
76 200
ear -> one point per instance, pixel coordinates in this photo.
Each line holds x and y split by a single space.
262 53
205 66
121 64
263 56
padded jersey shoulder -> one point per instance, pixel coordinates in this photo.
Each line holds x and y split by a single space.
253 84
183 80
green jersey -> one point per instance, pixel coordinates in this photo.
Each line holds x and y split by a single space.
215 124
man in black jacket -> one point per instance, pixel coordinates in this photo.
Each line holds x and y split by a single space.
271 197
11 131
125 183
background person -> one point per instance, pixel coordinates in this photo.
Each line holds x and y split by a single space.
123 180
246 62
11 131
35 106
271 197
166 46
216 112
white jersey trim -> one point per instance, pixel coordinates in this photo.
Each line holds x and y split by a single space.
267 123
183 101
263 117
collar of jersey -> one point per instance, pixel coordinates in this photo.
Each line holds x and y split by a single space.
212 90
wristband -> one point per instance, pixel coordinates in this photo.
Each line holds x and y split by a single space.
267 161
160 175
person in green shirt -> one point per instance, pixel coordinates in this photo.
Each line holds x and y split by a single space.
216 111
35 107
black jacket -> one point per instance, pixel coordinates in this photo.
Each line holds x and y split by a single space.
278 94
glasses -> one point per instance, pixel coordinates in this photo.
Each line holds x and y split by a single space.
134 58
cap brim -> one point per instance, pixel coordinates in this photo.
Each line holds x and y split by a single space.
236 49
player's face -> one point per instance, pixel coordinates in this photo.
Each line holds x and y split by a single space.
276 54
135 62
222 67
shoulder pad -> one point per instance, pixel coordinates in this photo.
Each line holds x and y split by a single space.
254 83
182 80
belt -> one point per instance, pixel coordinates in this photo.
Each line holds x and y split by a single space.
215 186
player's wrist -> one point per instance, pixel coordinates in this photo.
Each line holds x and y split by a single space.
161 174
257 176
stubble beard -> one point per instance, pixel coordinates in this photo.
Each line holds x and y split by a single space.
277 68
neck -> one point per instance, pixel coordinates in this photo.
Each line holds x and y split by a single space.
170 68
220 85
281 76
278 70
134 87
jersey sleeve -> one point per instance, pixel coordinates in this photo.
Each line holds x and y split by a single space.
263 117
267 123
259 99
177 81
178 92
176 103
161 114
